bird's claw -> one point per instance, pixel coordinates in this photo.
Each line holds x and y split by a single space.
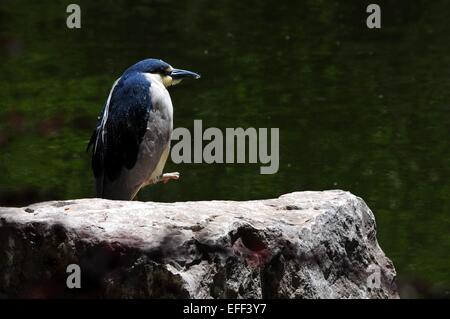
168 176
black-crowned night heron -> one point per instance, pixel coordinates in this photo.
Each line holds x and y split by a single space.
132 140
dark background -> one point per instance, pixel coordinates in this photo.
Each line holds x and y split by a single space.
361 110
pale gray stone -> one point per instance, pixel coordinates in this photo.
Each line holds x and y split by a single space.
301 245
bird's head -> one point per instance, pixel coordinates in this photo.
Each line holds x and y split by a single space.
162 71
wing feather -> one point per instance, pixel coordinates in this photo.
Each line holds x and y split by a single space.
121 128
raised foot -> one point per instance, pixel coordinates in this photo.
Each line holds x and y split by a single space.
168 176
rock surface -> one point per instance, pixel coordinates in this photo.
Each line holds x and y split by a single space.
301 245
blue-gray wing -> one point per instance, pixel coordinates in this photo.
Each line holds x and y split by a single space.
121 128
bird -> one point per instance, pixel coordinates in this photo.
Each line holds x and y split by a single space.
131 142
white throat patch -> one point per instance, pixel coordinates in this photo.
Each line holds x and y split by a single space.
165 80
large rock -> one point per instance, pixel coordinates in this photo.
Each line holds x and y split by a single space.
301 245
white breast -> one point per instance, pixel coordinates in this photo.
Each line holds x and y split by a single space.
160 95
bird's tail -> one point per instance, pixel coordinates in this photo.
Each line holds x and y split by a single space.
97 162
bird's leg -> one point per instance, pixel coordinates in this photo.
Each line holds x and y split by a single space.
168 176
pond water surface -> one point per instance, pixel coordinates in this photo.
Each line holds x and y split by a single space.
360 110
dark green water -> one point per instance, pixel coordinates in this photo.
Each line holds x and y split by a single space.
361 110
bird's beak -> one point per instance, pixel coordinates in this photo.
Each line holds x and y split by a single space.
178 74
